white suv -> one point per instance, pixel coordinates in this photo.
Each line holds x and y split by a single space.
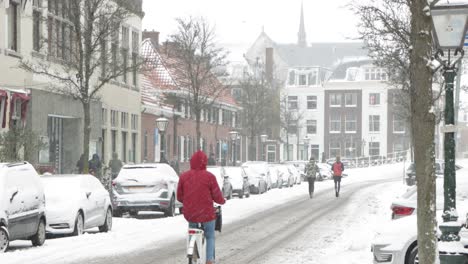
22 205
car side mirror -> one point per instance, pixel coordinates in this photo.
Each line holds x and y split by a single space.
13 194
88 194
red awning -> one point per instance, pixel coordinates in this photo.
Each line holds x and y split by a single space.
3 94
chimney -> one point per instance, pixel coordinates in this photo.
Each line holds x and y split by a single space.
153 36
269 65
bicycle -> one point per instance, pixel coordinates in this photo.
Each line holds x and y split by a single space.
196 243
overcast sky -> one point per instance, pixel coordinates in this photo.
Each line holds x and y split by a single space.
239 22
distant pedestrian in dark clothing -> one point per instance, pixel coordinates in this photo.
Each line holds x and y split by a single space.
80 164
337 169
115 165
211 160
311 172
95 166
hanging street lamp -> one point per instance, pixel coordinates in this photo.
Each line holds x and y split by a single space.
161 124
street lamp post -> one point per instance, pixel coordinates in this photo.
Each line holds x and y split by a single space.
161 124
263 139
233 134
450 26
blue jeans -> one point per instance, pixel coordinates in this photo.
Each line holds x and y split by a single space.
209 228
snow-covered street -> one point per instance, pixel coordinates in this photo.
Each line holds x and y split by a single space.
277 227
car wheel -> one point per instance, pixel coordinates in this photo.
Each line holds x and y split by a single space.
39 238
107 226
241 194
133 213
170 212
412 255
79 225
4 239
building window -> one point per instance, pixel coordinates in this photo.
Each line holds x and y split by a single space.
335 123
374 123
375 74
114 118
60 34
350 100
350 149
350 123
335 100
13 25
292 127
124 53
114 141
311 126
312 102
374 148
314 151
398 124
37 24
292 102
134 147
104 116
302 79
115 47
134 122
135 49
312 78
374 99
124 120
335 149
398 147
124 146
292 77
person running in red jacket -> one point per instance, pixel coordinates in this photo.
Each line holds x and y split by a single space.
337 169
197 191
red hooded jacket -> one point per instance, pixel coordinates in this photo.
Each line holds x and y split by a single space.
197 190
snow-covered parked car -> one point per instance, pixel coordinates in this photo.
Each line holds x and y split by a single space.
324 172
259 176
145 187
296 174
22 205
223 180
396 243
286 175
239 181
406 204
276 181
75 203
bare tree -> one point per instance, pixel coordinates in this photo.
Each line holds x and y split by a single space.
197 62
88 57
397 34
255 100
291 120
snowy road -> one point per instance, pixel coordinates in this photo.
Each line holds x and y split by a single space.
281 226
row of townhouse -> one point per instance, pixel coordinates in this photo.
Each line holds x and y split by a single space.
40 31
163 96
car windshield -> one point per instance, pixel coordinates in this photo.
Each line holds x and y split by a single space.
60 186
142 174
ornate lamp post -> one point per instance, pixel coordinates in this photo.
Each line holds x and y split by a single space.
161 124
263 139
450 26
306 143
233 134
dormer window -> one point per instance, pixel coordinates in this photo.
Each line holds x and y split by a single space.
313 78
302 79
375 74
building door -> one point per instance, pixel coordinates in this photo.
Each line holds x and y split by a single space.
55 134
271 153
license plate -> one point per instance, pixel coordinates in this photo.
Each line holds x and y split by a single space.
136 188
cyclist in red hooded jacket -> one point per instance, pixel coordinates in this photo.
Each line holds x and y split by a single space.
197 191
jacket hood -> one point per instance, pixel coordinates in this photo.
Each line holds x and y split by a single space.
198 161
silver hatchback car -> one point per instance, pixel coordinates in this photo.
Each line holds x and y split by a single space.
145 187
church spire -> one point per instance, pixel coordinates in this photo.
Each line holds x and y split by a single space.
301 36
